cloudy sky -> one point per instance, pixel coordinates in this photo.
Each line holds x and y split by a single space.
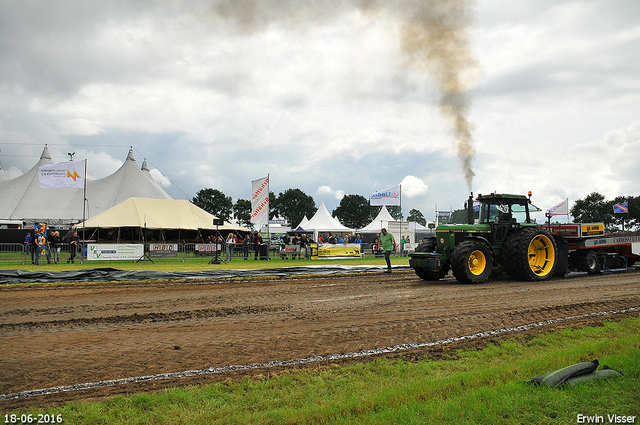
331 96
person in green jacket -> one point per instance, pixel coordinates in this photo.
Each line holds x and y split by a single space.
388 242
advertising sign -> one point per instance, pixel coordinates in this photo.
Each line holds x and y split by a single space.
292 250
163 249
389 196
207 248
592 229
260 201
114 252
339 250
62 174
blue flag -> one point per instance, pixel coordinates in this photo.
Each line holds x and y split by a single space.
622 207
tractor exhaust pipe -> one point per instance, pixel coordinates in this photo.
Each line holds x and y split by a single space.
470 219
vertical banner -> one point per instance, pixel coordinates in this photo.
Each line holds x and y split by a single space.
260 201
62 174
389 196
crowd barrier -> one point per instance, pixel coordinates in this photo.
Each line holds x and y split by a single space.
15 252
21 253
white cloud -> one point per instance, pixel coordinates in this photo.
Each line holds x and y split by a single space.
160 178
413 186
326 190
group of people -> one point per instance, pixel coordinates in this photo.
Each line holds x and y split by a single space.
333 239
49 245
247 242
303 241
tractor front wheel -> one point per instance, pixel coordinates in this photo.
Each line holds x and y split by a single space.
472 262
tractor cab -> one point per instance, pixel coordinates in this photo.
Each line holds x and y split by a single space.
504 213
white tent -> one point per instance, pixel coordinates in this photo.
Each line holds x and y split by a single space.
382 220
323 222
303 222
3 177
157 214
21 198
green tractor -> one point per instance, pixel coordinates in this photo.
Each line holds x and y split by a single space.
504 239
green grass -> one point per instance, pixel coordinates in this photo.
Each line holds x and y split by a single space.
475 387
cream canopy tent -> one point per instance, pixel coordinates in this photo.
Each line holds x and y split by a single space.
157 214
21 198
323 222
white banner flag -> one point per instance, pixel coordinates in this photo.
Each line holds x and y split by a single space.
561 209
390 196
62 174
260 201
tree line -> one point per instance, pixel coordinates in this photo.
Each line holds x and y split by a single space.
292 205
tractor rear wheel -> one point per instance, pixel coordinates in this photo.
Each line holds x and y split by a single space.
426 273
472 262
530 254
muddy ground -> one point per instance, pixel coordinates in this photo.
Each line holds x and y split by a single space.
60 335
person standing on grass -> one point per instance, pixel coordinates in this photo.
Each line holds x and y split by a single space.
27 247
388 243
73 246
245 246
230 244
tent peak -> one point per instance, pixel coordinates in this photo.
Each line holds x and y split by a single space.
130 155
144 165
45 153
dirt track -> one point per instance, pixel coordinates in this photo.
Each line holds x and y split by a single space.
64 335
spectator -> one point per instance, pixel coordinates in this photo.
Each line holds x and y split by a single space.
73 246
54 245
296 241
257 245
230 244
245 246
39 242
26 250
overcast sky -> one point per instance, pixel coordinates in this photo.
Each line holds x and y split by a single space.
331 96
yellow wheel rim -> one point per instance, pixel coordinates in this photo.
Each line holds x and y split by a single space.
542 255
477 263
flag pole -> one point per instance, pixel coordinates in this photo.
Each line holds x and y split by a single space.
84 204
268 215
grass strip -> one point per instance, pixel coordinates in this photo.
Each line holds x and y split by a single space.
476 387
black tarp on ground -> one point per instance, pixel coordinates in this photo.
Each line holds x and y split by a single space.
111 274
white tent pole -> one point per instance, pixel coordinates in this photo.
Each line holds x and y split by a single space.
84 216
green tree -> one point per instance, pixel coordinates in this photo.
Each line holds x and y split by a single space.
294 204
242 212
459 216
354 211
214 202
593 209
274 211
416 215
395 212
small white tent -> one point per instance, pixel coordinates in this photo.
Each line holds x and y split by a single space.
382 220
322 221
303 222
